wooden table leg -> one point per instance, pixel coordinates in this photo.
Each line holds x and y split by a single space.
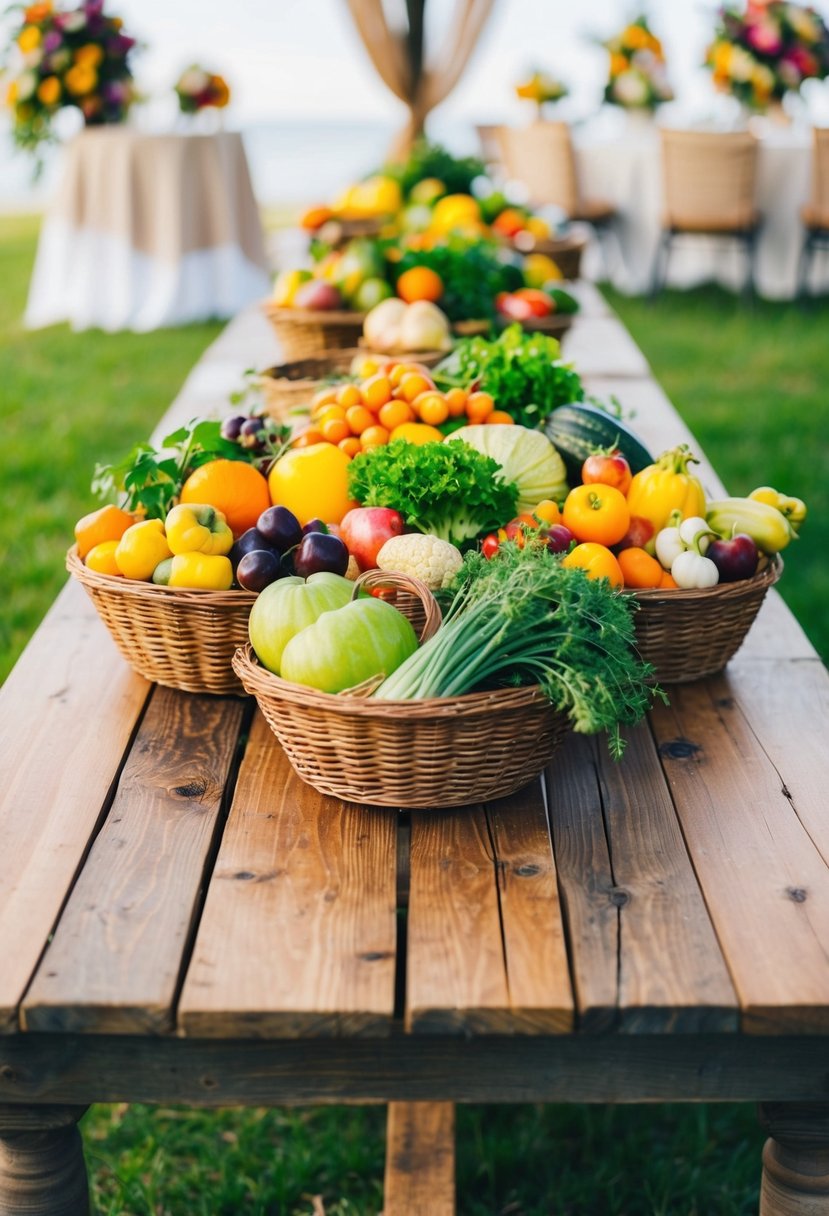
795 1159
42 1170
420 1159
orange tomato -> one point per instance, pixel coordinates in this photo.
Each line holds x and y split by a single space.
359 419
235 488
547 511
325 396
107 523
596 561
456 400
668 582
398 371
479 406
413 384
417 432
374 437
431 408
351 446
639 569
596 513
395 413
376 392
329 411
420 283
333 430
349 395
305 439
101 558
500 417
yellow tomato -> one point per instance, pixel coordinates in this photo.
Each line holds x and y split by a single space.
312 482
596 561
417 432
547 511
596 513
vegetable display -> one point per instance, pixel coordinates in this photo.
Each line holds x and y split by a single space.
526 458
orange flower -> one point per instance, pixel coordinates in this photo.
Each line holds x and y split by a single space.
220 91
618 64
38 12
80 80
48 91
29 38
635 38
89 56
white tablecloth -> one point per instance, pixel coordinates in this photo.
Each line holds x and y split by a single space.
147 231
627 172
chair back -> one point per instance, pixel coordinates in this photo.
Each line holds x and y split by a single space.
709 180
819 199
541 156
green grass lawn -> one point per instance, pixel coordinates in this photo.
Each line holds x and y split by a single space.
751 385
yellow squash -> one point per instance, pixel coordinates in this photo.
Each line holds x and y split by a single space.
664 487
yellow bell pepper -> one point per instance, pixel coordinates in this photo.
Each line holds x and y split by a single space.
198 528
141 548
664 487
201 570
793 508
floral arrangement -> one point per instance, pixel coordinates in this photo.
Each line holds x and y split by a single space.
767 50
637 77
541 88
197 89
67 57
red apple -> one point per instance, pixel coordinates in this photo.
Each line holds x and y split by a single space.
366 529
318 295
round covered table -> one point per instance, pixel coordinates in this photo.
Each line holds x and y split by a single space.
148 231
627 172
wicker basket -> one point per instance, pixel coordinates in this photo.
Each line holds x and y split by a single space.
184 639
307 331
566 252
691 634
435 753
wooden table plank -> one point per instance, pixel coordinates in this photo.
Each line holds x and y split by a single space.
764 881
67 713
118 951
538 977
298 935
601 346
420 1159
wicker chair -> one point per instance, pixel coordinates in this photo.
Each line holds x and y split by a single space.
816 212
709 190
541 156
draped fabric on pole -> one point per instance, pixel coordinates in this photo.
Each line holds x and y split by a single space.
399 56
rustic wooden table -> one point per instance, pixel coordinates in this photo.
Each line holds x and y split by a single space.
182 920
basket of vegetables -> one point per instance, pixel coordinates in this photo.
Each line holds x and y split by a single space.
475 711
322 324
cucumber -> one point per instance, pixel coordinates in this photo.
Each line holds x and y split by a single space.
578 429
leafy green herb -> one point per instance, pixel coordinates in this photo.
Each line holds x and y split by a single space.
523 372
523 618
447 489
432 160
472 273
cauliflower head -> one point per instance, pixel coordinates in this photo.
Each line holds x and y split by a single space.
434 561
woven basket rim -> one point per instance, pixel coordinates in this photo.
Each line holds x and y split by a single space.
312 316
259 681
324 360
721 591
562 244
137 589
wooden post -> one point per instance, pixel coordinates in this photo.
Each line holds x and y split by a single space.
795 1159
420 1159
42 1170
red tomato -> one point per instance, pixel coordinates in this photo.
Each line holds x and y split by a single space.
638 535
490 545
517 528
512 306
539 301
608 469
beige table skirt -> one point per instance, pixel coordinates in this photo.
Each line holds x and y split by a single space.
148 231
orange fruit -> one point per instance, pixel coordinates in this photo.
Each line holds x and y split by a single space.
456 400
359 419
639 569
333 430
417 432
107 523
374 437
324 396
419 283
235 488
376 392
413 384
349 395
329 411
307 438
351 446
400 370
431 408
101 558
479 406
501 416
395 413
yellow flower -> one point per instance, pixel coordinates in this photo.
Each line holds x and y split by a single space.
11 93
723 54
117 23
89 56
636 38
28 38
80 80
48 91
618 64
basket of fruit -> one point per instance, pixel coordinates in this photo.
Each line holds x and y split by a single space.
565 252
475 711
321 324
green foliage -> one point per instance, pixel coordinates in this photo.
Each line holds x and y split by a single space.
432 160
447 489
524 373
522 618
472 273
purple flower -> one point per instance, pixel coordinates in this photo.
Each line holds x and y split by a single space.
51 41
120 44
94 8
115 93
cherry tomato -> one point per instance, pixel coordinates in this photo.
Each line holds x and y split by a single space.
609 469
514 307
597 562
596 513
539 301
490 545
639 534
